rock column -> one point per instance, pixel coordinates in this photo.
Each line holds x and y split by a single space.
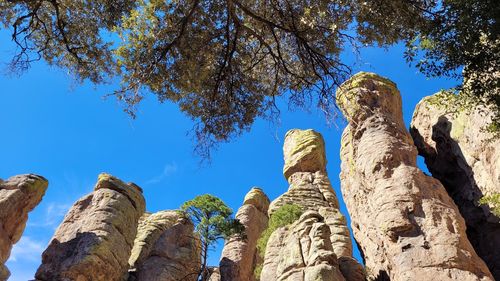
464 155
94 241
18 196
240 256
310 188
405 222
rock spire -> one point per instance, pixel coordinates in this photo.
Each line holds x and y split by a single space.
95 239
405 222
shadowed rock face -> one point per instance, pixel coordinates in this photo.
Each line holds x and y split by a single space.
165 249
240 256
18 196
465 157
93 242
405 222
310 188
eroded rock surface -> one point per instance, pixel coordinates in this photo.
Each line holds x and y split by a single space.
461 152
94 241
165 249
405 222
18 196
240 256
310 188
302 252
214 274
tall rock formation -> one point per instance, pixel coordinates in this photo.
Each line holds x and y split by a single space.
165 249
461 152
18 196
405 222
94 241
310 188
240 256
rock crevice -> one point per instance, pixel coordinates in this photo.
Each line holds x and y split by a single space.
461 152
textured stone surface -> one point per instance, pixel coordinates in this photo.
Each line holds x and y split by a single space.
311 188
302 252
165 249
94 241
214 274
304 151
405 222
461 153
240 256
18 196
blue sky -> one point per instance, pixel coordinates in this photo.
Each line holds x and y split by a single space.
69 134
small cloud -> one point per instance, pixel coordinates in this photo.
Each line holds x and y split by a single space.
168 170
27 249
54 213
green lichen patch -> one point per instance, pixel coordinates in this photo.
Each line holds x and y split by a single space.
346 97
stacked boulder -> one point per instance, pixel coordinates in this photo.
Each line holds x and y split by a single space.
18 196
239 256
461 151
165 249
322 228
406 224
95 239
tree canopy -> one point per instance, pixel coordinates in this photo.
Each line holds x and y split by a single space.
224 62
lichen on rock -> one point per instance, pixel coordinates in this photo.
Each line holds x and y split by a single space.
311 190
407 226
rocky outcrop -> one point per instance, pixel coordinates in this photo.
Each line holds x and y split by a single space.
94 241
302 251
464 155
18 196
240 256
165 249
310 188
405 222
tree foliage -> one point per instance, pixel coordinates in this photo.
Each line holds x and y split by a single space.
461 39
493 202
460 34
213 221
224 62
